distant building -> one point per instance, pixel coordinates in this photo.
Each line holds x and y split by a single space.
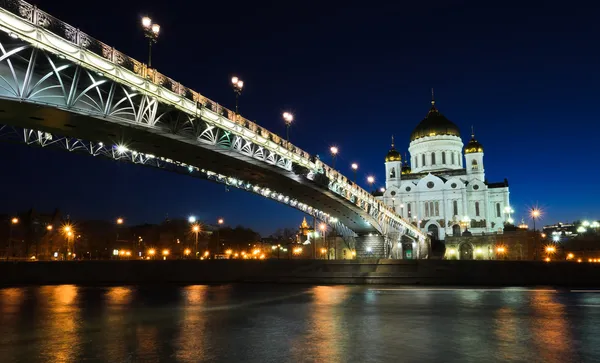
439 192
560 232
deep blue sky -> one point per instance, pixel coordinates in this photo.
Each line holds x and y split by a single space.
524 74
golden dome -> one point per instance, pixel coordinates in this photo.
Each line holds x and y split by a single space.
473 146
393 155
434 124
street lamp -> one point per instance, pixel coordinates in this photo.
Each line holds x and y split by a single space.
354 169
323 228
120 220
370 180
220 222
192 219
237 84
288 118
151 32
68 232
13 221
196 230
334 151
535 213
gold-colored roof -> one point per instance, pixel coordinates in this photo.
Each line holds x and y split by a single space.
434 124
473 146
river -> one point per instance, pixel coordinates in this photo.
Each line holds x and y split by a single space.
297 323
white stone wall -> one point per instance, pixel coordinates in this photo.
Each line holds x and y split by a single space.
434 191
440 152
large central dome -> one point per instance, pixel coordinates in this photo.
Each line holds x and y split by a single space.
434 124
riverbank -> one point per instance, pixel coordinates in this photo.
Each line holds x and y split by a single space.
424 272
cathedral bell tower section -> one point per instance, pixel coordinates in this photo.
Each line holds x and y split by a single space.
393 167
474 159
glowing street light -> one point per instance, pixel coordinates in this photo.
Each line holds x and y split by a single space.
14 220
152 252
192 219
165 252
550 249
570 256
535 213
196 229
370 180
354 169
187 251
151 32
120 221
288 118
49 227
334 151
237 85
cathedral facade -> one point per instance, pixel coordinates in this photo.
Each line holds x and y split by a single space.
444 190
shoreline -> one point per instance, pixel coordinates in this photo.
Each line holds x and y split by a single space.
312 272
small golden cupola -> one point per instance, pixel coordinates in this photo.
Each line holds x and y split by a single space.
473 146
393 154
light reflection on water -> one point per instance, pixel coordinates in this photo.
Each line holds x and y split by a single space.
288 323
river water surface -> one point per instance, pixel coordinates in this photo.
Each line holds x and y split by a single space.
293 323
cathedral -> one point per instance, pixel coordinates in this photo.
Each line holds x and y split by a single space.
444 192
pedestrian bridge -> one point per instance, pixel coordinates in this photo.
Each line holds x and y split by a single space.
59 87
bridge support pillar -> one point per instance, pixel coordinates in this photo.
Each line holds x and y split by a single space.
370 246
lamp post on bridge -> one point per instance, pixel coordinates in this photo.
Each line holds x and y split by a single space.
334 151
287 118
151 32
370 180
237 84
354 168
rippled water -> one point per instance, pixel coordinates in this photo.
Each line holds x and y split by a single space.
288 323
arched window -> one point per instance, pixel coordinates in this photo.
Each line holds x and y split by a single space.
497 209
474 165
437 209
432 158
452 158
426 209
444 157
455 207
477 209
416 161
393 173
423 160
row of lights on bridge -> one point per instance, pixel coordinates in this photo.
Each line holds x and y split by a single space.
152 30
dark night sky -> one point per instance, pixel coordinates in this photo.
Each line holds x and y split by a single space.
524 74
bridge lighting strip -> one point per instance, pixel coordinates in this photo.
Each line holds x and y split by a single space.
123 153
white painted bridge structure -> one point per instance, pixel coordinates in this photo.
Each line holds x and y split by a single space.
59 87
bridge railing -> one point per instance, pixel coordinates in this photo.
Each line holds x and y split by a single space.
67 32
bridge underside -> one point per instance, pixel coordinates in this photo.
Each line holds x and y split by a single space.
211 157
